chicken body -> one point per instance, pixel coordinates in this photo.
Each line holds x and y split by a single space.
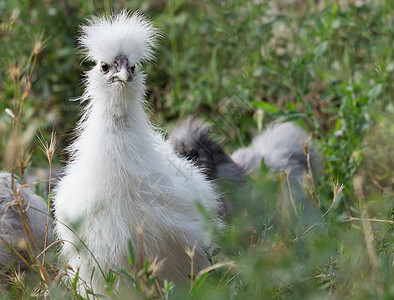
123 175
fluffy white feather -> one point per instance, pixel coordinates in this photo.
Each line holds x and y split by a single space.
105 37
113 183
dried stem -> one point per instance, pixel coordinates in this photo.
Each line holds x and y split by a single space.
350 219
309 175
214 267
191 253
290 191
337 191
49 150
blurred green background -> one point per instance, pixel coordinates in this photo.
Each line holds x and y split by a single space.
327 65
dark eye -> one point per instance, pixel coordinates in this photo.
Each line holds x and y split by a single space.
132 69
104 67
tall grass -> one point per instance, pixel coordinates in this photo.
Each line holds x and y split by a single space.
328 66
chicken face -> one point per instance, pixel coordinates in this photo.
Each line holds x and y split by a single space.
119 70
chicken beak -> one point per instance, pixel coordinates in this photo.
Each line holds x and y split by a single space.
122 67
123 75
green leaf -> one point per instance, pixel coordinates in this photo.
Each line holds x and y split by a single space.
290 106
200 281
290 116
268 107
320 49
75 281
375 91
131 252
127 275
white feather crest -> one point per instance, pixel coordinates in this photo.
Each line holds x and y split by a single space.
130 34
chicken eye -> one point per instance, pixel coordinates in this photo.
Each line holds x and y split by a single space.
132 69
104 67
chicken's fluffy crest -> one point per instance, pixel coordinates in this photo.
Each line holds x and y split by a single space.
131 34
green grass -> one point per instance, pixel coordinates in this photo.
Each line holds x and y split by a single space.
328 66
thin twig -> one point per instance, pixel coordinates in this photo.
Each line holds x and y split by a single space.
214 267
48 150
350 219
309 175
290 191
337 190
191 253
295 284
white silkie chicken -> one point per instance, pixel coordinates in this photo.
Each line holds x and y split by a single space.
123 174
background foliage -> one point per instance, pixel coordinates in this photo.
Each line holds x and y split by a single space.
329 66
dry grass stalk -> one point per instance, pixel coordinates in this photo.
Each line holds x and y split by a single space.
155 265
29 236
19 158
191 253
367 231
15 72
310 183
17 279
337 189
23 163
49 150
230 264
285 198
369 241
350 219
290 191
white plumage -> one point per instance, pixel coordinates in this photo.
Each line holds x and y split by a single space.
112 183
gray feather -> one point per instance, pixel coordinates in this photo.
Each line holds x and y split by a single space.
192 139
11 229
281 146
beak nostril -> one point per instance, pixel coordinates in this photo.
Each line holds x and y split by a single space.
122 73
121 61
